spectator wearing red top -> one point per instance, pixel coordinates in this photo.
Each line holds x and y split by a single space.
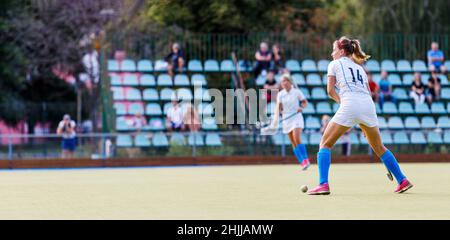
374 88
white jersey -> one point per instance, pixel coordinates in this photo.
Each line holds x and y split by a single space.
350 77
290 102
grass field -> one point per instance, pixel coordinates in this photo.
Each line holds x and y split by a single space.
359 191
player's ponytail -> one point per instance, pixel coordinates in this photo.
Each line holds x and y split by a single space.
358 55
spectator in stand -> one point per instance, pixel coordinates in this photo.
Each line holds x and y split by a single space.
385 89
139 121
175 116
417 89
175 59
263 58
374 88
271 86
434 88
66 128
191 119
436 59
278 59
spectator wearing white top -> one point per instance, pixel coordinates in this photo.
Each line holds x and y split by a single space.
66 128
175 117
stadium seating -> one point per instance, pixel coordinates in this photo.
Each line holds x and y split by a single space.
147 80
195 66
113 66
227 66
309 65
213 140
160 140
428 122
418 138
401 138
181 80
128 65
313 80
403 66
164 80
124 141
153 109
322 65
150 94
373 65
198 80
419 66
141 140
211 66
293 65
388 65
145 66
434 138
195 139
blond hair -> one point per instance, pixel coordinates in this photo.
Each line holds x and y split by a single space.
352 47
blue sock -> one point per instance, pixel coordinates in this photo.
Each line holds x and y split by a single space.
324 161
304 152
297 155
392 165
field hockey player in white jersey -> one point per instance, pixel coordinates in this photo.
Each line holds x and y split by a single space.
346 75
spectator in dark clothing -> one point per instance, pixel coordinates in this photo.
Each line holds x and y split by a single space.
263 58
417 89
278 59
434 88
270 85
175 59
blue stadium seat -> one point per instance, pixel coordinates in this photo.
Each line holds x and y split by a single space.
408 79
156 124
395 123
184 94
443 122
434 138
382 124
323 108
181 80
166 107
124 141
145 66
419 66
309 65
293 65
305 92
116 80
141 140
389 108
401 138
177 139
377 108
354 138
211 66
324 79
314 138
444 79
130 80
322 65
388 65
121 124
438 108
422 108
412 123
312 123
147 80
445 93
121 108
134 108
160 140
403 66
133 94
113 65
195 66
313 79
376 77
447 65
362 139
428 122
153 109
198 80
128 65
373 65
386 137
425 78
118 94
213 140
202 94
209 124
299 79
405 108
167 94
205 109
280 139
400 94
447 137
160 66
309 109
319 94
260 80
245 66
227 66
195 139
395 79
164 80
270 108
418 138
150 94
335 107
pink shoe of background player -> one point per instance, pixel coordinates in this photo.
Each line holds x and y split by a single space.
322 189
305 164
403 186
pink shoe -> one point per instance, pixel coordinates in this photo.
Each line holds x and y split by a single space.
305 164
403 186
322 189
